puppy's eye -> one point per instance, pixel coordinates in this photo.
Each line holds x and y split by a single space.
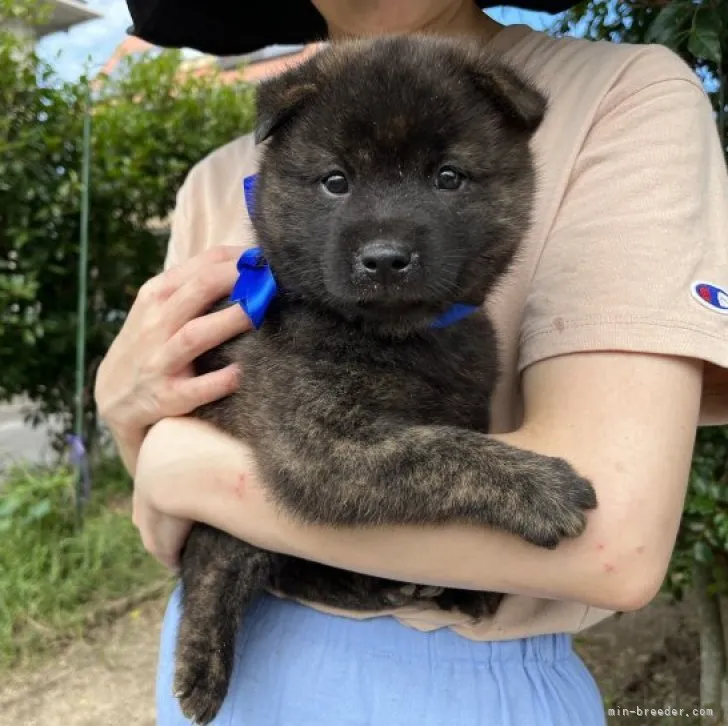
448 179
335 183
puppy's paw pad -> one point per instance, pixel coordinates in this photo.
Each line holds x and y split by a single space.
200 689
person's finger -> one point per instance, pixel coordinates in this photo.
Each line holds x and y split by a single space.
193 392
163 536
169 558
171 535
177 276
162 286
200 335
195 297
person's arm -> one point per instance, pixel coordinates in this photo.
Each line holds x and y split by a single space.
644 215
626 421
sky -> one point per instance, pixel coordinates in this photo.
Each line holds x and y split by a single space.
93 42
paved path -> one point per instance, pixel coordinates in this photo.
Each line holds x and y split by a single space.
20 442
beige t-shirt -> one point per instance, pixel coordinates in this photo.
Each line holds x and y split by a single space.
632 212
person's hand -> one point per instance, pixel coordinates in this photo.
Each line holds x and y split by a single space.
167 464
189 471
163 535
147 373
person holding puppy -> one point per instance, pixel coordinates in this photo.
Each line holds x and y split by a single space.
614 348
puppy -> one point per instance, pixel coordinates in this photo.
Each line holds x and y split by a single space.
393 192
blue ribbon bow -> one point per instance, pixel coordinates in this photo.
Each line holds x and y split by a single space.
256 286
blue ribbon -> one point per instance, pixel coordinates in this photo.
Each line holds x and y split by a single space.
256 286
249 191
454 315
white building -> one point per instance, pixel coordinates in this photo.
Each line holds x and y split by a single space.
65 14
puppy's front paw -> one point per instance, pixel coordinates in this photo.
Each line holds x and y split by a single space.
201 682
556 499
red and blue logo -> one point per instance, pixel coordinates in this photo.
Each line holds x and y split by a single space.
711 296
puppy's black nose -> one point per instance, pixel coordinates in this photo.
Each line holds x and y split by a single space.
383 261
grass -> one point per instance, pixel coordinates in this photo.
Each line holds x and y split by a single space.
58 578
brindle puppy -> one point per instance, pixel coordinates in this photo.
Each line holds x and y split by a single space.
397 182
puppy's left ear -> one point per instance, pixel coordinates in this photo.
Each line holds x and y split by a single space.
517 98
279 99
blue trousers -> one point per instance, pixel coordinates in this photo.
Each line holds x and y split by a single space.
298 667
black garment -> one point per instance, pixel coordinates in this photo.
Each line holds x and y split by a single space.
235 27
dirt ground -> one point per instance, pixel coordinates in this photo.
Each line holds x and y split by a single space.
106 680
649 659
640 659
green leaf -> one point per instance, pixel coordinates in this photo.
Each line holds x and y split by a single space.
671 24
149 128
9 506
702 552
39 510
704 40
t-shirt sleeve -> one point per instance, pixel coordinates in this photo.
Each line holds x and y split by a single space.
210 208
179 246
637 257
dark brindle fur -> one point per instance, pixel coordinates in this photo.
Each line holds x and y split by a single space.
359 411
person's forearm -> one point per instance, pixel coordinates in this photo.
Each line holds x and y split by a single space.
609 566
605 567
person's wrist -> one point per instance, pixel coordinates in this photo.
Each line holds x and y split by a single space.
128 442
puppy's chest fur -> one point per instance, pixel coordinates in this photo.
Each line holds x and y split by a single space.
316 388
310 376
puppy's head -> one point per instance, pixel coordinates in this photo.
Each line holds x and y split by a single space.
397 179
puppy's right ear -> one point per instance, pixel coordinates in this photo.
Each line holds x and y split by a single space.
281 98
518 99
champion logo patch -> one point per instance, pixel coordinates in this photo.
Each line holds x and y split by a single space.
711 296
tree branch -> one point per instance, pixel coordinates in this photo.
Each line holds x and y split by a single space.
712 646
